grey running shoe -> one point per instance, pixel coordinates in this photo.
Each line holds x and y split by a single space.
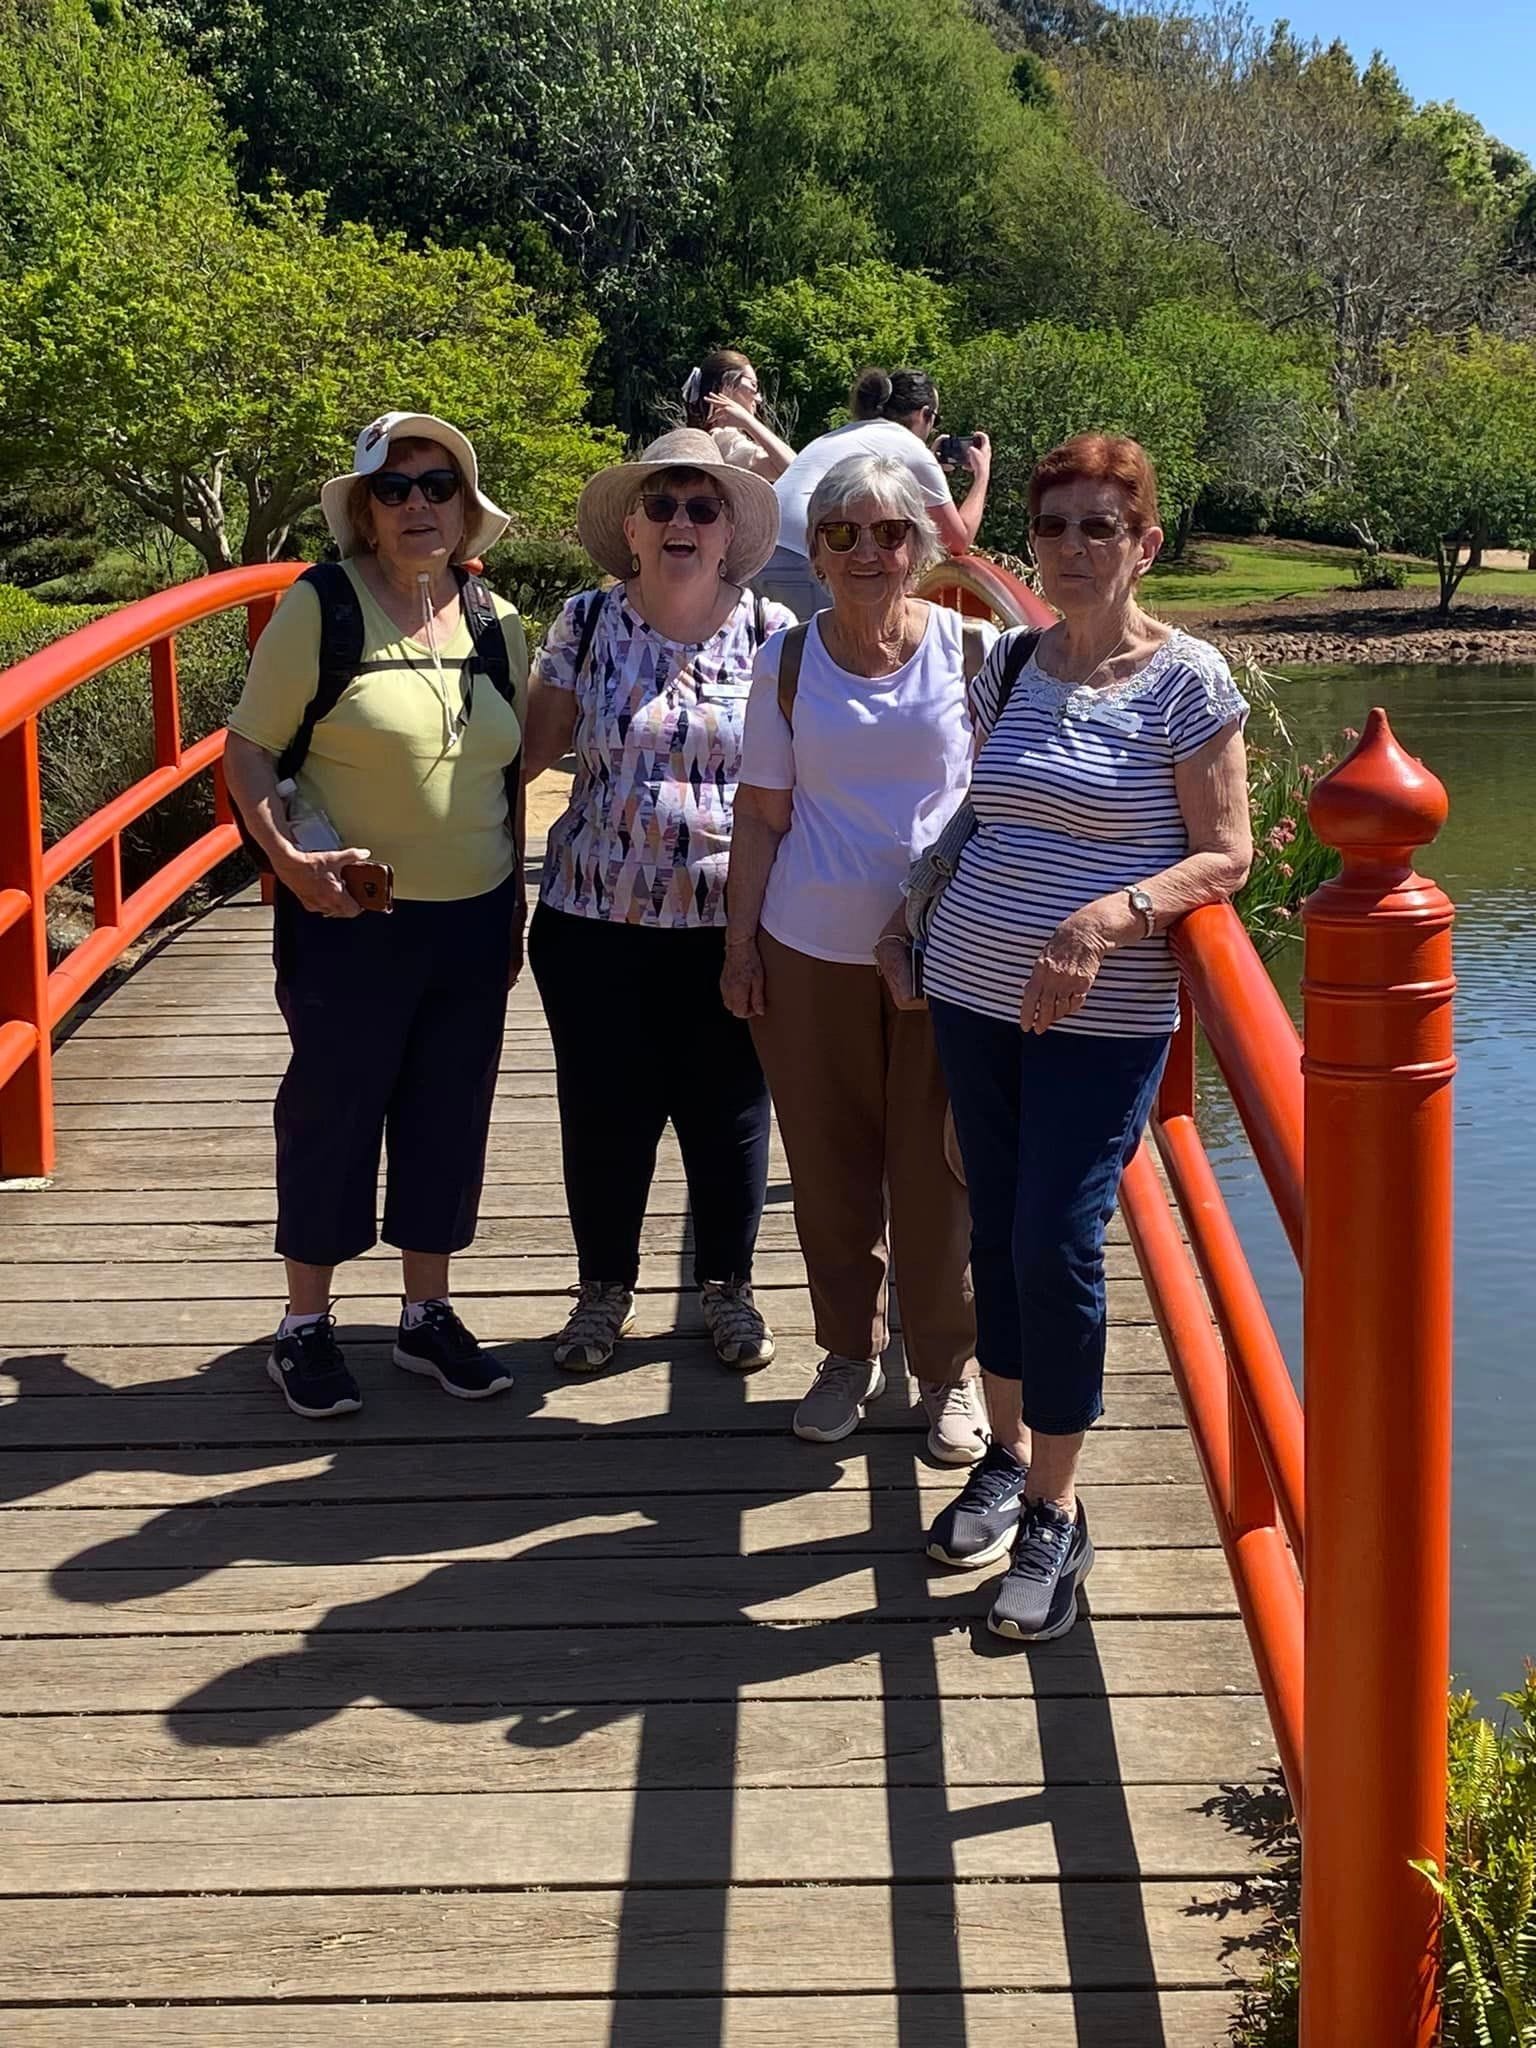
604 1313
735 1324
1038 1595
982 1520
834 1407
957 1421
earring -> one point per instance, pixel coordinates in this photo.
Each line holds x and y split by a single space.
722 571
634 565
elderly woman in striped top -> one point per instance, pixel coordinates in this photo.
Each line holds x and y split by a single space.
1111 798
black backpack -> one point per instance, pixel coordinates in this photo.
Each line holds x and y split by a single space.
341 656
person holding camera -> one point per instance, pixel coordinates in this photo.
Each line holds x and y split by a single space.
894 413
382 723
856 756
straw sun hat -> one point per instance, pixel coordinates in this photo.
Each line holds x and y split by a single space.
609 498
484 523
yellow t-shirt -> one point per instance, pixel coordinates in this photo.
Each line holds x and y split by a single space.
384 765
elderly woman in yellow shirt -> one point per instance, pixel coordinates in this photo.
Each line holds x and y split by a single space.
395 1021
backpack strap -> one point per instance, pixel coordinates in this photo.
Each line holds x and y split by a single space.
1019 651
488 641
589 619
341 656
791 654
759 621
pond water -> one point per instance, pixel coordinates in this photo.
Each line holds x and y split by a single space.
1476 728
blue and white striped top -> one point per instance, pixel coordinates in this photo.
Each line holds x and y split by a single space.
1075 799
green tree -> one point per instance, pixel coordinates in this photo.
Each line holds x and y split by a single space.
819 332
92 113
212 368
584 140
1265 434
1444 455
1036 388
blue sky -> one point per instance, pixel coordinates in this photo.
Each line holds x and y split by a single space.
1481 54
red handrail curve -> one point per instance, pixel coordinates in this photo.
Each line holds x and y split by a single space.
1335 1520
33 999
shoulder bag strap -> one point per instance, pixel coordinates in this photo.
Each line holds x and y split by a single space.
1013 667
791 654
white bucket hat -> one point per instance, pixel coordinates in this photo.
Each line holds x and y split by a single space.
484 523
609 496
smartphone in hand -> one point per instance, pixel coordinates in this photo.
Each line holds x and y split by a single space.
370 883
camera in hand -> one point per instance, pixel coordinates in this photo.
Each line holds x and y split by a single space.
950 450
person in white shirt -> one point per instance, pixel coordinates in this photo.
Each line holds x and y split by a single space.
856 754
894 413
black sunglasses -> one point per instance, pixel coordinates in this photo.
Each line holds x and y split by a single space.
1098 527
661 508
842 535
394 487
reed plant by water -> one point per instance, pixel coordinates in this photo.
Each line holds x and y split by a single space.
1289 860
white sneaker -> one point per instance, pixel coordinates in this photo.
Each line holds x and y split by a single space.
835 1405
741 1337
958 1431
604 1313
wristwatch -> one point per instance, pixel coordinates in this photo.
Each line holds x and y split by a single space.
1141 903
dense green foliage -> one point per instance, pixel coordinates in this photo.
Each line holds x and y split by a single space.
230 230
1488 1889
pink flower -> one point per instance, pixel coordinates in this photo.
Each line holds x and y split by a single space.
1284 867
1280 834
1282 910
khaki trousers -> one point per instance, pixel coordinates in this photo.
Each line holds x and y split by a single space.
861 1102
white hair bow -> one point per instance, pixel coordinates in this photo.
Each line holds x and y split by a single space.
692 384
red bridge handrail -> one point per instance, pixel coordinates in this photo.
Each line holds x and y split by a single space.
1335 1519
33 999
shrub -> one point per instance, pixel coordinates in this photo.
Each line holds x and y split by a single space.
538 576
1380 572
1488 1889
48 555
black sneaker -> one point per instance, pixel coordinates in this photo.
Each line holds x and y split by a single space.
307 1364
442 1349
1038 1595
982 1520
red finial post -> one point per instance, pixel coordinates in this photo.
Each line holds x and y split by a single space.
1376 1269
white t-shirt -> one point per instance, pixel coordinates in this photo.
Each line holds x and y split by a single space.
859 437
878 764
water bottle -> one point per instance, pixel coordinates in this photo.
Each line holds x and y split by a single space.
308 826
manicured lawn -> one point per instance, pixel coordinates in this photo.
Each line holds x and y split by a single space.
1233 572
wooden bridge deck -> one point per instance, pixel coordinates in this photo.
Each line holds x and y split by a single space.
603 1715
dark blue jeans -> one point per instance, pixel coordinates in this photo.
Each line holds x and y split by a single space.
1046 1126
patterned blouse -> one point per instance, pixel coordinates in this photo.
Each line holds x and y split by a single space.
646 837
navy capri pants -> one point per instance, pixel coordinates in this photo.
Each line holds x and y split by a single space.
1047 1123
396 1024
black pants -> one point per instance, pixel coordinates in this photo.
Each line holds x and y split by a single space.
396 1024
641 1036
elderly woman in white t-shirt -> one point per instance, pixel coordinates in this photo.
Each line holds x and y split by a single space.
856 755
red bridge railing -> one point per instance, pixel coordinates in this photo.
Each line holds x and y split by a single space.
1335 1516
33 996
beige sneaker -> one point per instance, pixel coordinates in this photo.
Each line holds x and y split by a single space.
604 1313
735 1323
834 1407
958 1431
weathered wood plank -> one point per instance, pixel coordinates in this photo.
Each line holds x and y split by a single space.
277 1754
1040 2019
201 1094
606 1671
832 1835
243 1279
772 1939
496 1317
649 1526
540 1592
48 1243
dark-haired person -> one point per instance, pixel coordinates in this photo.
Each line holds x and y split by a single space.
395 1021
894 413
647 683
721 397
1111 798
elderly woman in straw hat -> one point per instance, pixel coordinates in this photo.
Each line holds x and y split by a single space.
381 722
647 682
